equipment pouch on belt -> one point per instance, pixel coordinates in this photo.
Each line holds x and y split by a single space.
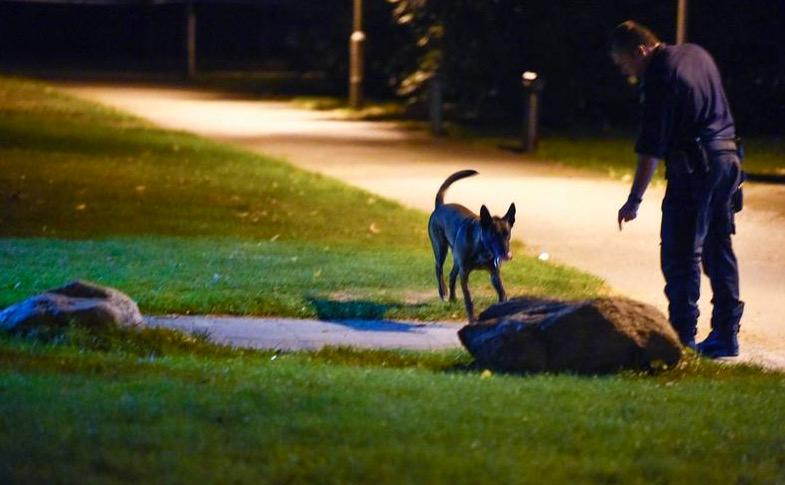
690 157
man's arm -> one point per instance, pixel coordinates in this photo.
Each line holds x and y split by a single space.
647 166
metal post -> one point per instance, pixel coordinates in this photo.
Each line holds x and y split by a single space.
356 44
190 39
681 22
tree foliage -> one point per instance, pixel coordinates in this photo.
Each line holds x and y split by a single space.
480 49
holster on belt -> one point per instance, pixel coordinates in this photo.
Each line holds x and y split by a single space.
693 156
689 157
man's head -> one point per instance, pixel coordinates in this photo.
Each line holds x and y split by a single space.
631 47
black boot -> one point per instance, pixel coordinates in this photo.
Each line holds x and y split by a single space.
722 340
720 344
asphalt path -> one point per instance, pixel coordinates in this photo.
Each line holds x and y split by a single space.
566 213
300 334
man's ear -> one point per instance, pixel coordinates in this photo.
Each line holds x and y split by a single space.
485 217
510 215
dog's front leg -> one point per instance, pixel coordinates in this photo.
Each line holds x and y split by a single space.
467 297
496 281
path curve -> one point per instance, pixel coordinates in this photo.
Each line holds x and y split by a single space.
567 213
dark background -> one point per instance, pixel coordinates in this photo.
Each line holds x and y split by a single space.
483 48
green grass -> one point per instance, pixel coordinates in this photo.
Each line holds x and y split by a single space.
210 275
183 224
186 225
156 406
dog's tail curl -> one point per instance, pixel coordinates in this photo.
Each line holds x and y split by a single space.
450 180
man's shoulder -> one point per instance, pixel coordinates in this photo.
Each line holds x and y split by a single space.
673 55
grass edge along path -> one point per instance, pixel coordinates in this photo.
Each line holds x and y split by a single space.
186 225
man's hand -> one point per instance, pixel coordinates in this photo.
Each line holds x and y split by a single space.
647 165
629 210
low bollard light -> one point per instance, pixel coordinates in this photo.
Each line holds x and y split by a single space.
533 85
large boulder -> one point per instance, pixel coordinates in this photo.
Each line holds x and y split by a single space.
78 303
597 336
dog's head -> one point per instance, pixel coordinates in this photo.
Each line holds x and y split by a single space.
496 234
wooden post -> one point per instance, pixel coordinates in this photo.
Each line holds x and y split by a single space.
190 40
356 48
681 22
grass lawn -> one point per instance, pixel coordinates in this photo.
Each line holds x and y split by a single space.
183 224
156 407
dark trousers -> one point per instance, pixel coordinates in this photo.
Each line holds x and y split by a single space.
697 223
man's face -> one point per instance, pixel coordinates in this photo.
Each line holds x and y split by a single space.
631 64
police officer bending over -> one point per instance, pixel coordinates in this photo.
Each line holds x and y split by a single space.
687 122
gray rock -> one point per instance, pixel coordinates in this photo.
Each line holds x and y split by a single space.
597 336
78 303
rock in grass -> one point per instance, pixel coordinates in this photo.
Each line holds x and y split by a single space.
78 303
597 336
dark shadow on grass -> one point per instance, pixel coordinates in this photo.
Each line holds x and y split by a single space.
363 315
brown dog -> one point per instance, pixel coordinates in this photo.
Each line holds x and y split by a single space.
476 242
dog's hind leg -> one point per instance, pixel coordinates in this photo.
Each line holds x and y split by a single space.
496 281
453 277
439 243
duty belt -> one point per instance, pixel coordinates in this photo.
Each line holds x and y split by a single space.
719 145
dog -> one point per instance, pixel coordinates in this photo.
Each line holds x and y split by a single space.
476 242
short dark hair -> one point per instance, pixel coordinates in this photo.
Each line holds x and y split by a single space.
627 36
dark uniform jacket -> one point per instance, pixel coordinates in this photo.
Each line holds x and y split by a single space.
682 97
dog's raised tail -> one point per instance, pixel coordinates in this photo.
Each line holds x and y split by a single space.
452 178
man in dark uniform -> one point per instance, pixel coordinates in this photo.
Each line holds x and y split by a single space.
687 122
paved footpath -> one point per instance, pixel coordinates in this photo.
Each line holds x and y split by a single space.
567 213
297 334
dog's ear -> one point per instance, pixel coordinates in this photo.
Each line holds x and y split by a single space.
510 215
485 217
